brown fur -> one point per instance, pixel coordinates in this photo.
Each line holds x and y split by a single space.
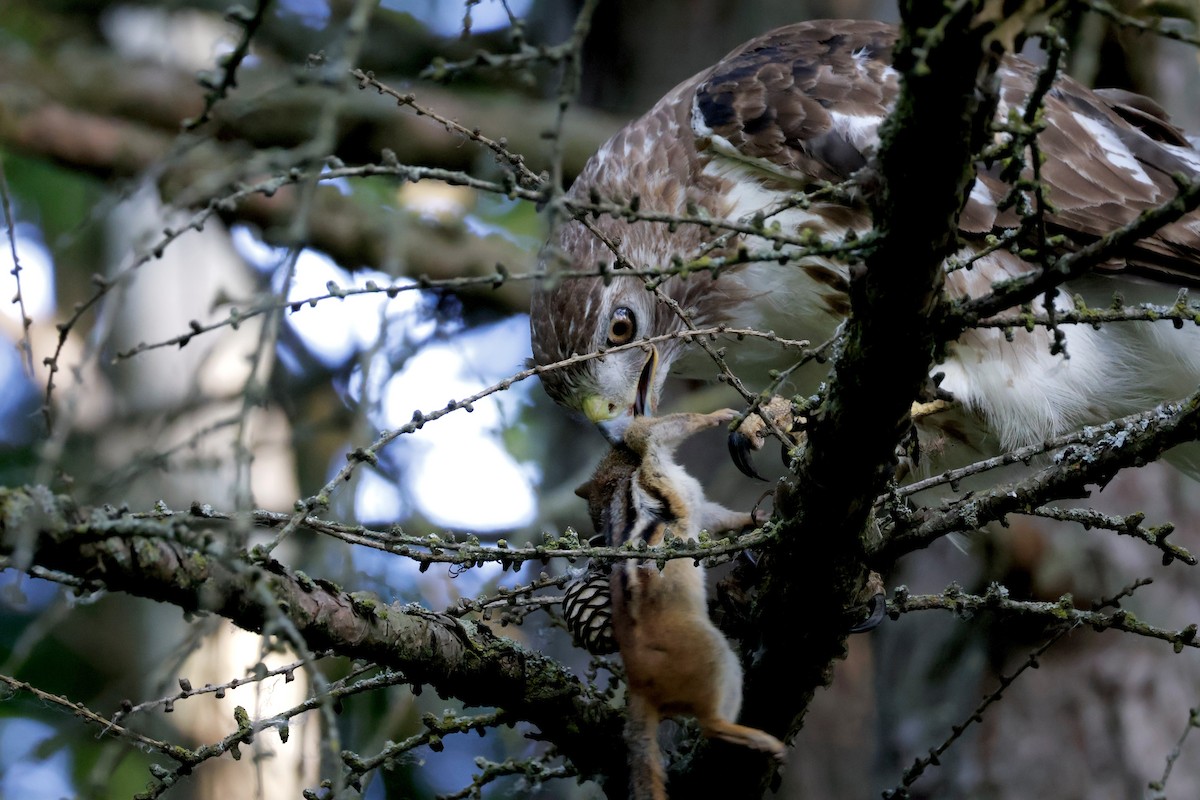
676 661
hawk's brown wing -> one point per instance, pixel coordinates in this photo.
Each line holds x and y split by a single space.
804 103
1109 157
805 100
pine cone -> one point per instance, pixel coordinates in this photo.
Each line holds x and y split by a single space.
588 613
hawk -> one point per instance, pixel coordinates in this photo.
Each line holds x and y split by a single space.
798 110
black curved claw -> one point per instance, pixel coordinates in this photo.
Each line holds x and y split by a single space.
878 607
739 450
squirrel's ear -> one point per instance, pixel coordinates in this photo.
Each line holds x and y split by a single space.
584 490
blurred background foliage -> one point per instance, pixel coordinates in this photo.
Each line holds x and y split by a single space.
102 171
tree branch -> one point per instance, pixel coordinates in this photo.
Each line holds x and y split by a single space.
119 119
945 102
272 110
166 561
1109 448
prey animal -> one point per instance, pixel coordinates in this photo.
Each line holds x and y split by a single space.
676 661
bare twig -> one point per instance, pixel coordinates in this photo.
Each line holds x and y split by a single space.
1031 662
229 63
10 224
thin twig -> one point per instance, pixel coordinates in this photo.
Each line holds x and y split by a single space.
1031 662
229 62
10 224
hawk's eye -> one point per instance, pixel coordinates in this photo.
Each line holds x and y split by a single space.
622 327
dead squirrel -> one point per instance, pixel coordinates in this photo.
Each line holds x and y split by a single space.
676 661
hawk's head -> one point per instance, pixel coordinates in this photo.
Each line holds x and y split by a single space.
635 325
573 317
717 146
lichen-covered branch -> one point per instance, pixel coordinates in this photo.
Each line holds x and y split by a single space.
1057 614
943 106
1108 449
171 561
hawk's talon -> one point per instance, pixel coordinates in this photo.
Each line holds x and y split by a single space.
921 410
740 446
878 610
773 415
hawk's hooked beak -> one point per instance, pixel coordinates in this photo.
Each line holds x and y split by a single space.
613 418
644 401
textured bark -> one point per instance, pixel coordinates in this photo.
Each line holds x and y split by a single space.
802 600
171 561
1116 446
